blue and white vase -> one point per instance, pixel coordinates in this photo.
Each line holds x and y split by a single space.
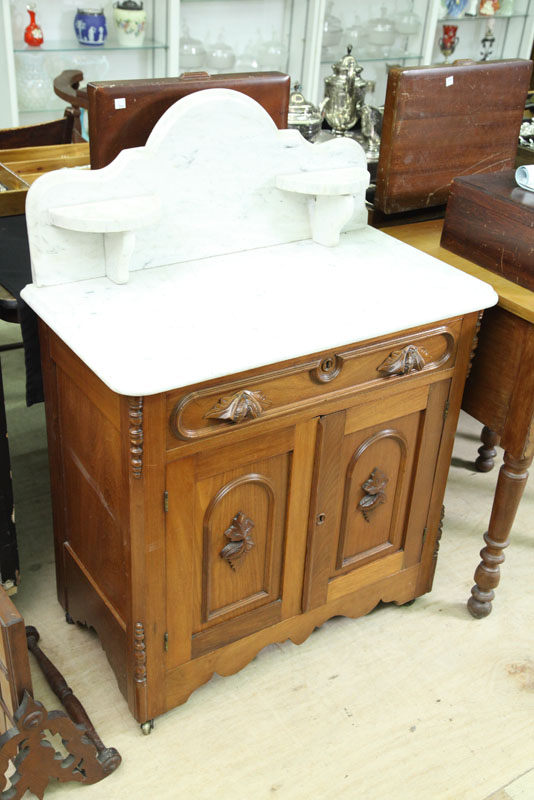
90 26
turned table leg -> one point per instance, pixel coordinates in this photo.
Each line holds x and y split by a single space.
486 454
510 485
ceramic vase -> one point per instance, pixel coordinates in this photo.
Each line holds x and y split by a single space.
449 40
33 34
90 26
488 8
130 22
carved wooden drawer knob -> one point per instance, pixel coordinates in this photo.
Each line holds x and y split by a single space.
401 362
239 406
240 539
375 492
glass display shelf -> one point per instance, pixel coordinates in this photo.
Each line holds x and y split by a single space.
483 17
361 58
71 45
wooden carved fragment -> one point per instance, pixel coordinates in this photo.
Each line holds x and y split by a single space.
27 747
108 757
440 531
239 406
139 653
28 753
402 362
241 541
375 494
136 436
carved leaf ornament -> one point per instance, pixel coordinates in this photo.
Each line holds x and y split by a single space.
239 406
375 494
240 536
401 362
35 758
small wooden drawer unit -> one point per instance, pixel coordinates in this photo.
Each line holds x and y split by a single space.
195 526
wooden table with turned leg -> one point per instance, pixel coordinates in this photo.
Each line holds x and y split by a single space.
500 394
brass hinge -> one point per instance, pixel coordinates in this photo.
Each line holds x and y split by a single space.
446 410
165 501
165 641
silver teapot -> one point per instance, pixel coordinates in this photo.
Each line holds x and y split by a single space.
344 94
303 115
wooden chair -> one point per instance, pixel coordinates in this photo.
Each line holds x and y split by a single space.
67 86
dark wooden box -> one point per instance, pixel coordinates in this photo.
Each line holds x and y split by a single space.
444 121
490 220
114 126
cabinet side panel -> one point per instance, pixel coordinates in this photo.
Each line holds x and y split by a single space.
92 475
87 486
54 457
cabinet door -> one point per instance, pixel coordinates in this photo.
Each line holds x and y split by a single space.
232 568
374 469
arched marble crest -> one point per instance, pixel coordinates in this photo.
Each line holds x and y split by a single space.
206 182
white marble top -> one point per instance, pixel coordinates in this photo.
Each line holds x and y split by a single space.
176 325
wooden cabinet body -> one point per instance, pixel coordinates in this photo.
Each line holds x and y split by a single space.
196 526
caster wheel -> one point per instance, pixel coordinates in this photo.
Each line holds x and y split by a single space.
68 619
410 602
147 727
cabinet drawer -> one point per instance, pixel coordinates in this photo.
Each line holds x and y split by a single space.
267 394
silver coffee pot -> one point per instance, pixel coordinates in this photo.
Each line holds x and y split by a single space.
344 94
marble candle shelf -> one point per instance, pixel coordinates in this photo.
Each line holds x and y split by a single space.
117 221
333 192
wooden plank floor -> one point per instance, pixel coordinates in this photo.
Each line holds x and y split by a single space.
407 703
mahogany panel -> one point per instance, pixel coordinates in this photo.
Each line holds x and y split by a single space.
111 131
444 121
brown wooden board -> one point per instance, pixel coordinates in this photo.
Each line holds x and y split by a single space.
113 129
490 220
15 677
444 121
